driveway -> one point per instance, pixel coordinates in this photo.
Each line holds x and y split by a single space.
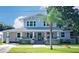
6 47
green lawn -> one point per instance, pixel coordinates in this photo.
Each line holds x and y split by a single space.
44 50
1 42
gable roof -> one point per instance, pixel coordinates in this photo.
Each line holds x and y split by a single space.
34 16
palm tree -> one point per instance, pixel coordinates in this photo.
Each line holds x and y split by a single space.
54 16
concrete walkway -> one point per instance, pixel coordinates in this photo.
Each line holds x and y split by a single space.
5 48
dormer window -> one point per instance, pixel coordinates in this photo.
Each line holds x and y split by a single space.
31 23
27 23
34 23
45 23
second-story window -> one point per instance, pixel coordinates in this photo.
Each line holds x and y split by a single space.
27 23
47 24
34 23
44 23
31 23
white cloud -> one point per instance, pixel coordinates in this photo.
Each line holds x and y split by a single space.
19 23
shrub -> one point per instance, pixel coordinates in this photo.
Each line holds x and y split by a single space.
66 41
24 41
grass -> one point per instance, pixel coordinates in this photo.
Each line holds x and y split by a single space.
1 42
44 50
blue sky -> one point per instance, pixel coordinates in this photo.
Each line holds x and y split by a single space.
9 13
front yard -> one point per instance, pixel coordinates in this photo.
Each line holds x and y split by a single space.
28 48
44 50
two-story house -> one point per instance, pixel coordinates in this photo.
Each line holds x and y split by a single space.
37 31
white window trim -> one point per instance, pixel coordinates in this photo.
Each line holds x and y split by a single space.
64 34
29 22
20 34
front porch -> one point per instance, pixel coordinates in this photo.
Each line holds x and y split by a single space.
33 37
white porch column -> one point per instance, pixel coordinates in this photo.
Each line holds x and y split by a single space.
33 35
7 37
45 36
2 39
58 35
21 35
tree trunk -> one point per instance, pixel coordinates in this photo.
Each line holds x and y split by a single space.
51 36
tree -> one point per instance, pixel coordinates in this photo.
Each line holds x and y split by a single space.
70 16
5 27
53 16
1 26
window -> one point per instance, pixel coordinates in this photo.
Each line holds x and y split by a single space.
18 35
48 33
31 23
47 24
44 23
62 34
29 35
48 37
71 33
34 23
27 23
